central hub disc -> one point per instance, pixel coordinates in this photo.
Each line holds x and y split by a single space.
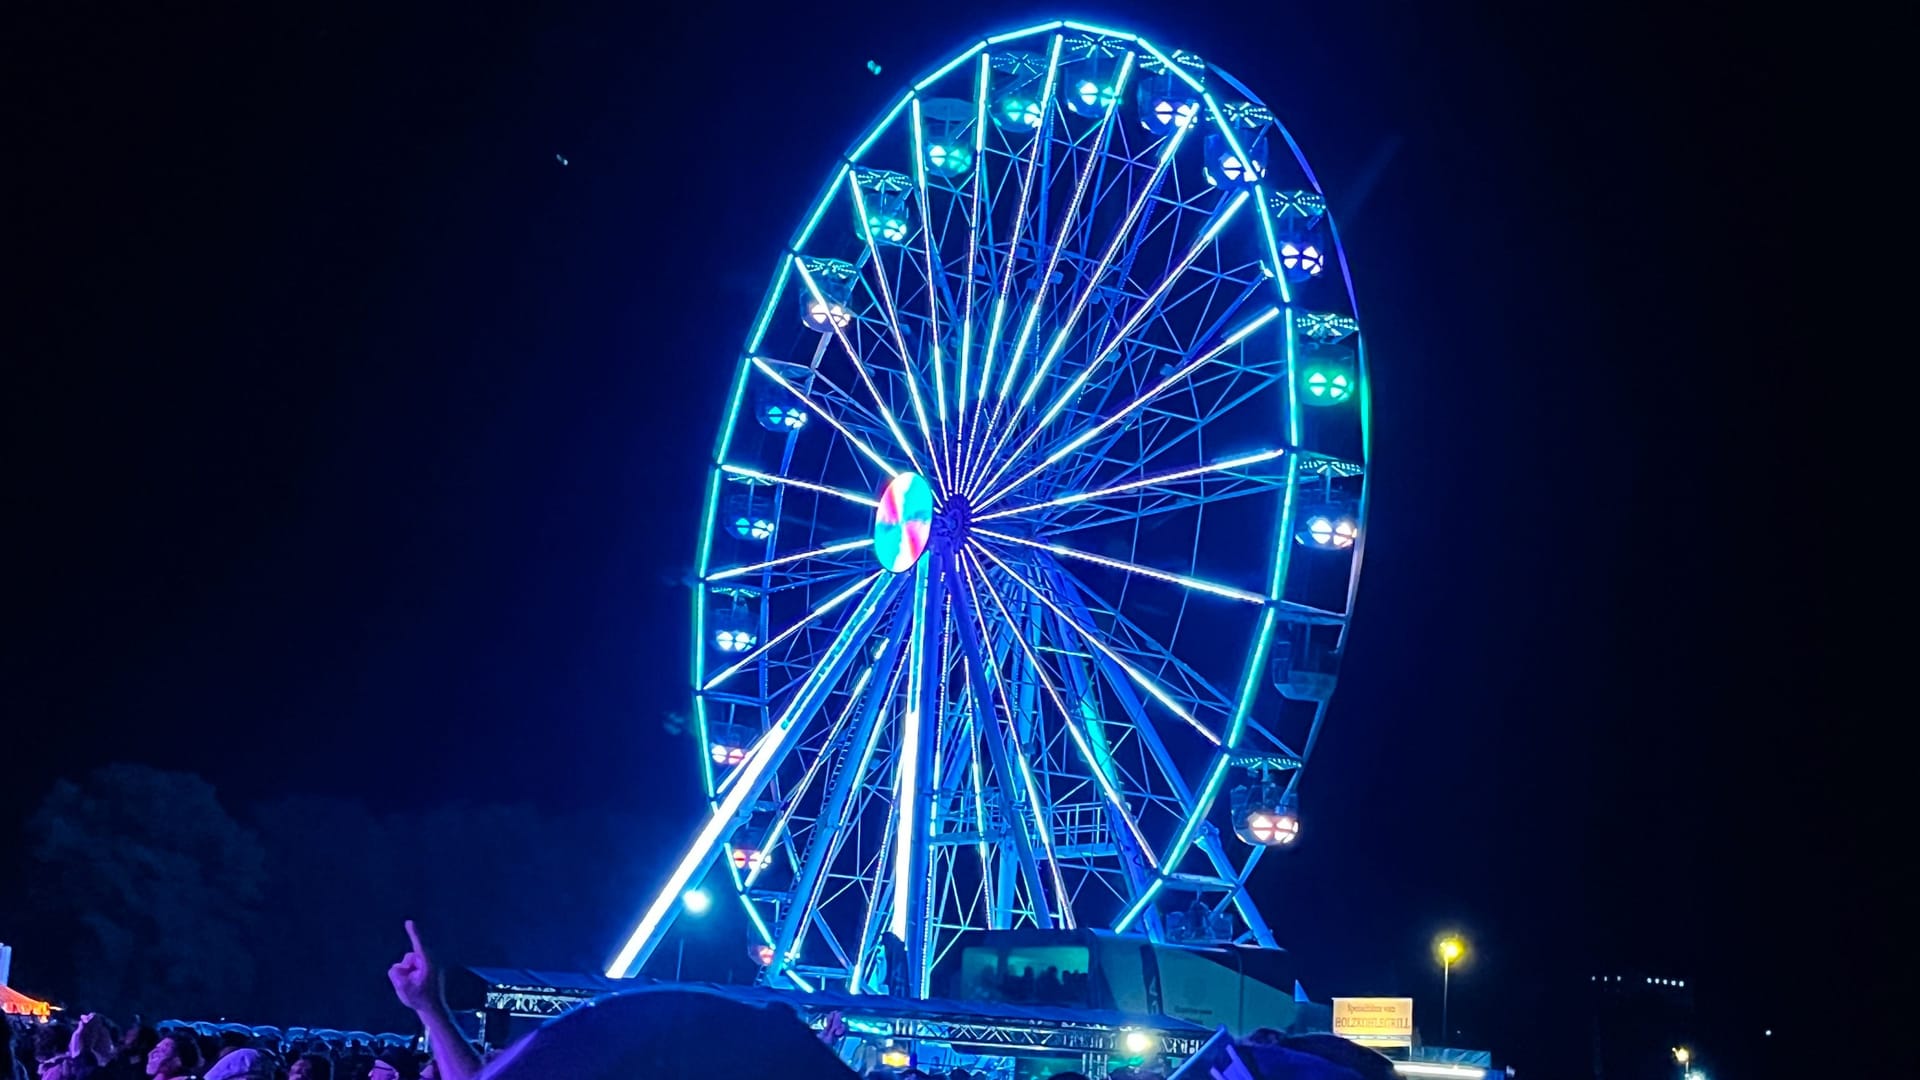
903 522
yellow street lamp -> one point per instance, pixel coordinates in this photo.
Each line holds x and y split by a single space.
1450 949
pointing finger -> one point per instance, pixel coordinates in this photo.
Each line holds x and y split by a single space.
413 934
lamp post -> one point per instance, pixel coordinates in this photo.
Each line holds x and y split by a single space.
1450 948
696 903
1681 1057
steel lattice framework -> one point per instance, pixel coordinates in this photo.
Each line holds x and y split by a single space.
542 1002
1086 290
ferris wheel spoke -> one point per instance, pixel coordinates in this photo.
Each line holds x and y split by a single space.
1036 304
825 842
1094 766
892 318
879 897
1118 679
823 609
1102 136
887 468
1099 645
1172 432
792 798
977 781
1232 464
817 553
821 394
757 772
1147 307
1127 636
1122 677
913 771
1117 742
1132 407
1043 131
1185 581
977 639
1102 268
1156 502
866 377
935 280
1211 391
761 477
983 83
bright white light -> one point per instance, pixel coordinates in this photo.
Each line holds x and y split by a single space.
907 767
753 528
784 416
1306 260
1441 1072
1232 168
696 901
1336 533
1274 830
1092 94
822 315
1322 385
746 858
1175 114
1138 1043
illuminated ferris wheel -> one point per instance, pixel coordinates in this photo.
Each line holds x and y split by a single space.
1034 523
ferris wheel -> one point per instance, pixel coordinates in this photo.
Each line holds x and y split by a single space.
1033 526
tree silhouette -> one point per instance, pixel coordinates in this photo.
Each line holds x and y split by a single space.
150 898
505 885
153 884
336 894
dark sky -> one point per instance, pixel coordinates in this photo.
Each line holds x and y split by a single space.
353 443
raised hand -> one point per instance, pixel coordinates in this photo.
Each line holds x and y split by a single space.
416 982
91 1040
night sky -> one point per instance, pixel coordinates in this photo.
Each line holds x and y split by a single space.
354 443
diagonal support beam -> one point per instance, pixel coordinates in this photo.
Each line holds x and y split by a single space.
966 622
826 840
914 779
1209 841
756 773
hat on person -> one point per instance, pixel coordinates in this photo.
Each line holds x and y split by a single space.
399 1061
243 1065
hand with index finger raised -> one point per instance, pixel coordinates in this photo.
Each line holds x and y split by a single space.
416 982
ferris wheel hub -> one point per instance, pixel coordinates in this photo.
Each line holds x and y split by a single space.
952 524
